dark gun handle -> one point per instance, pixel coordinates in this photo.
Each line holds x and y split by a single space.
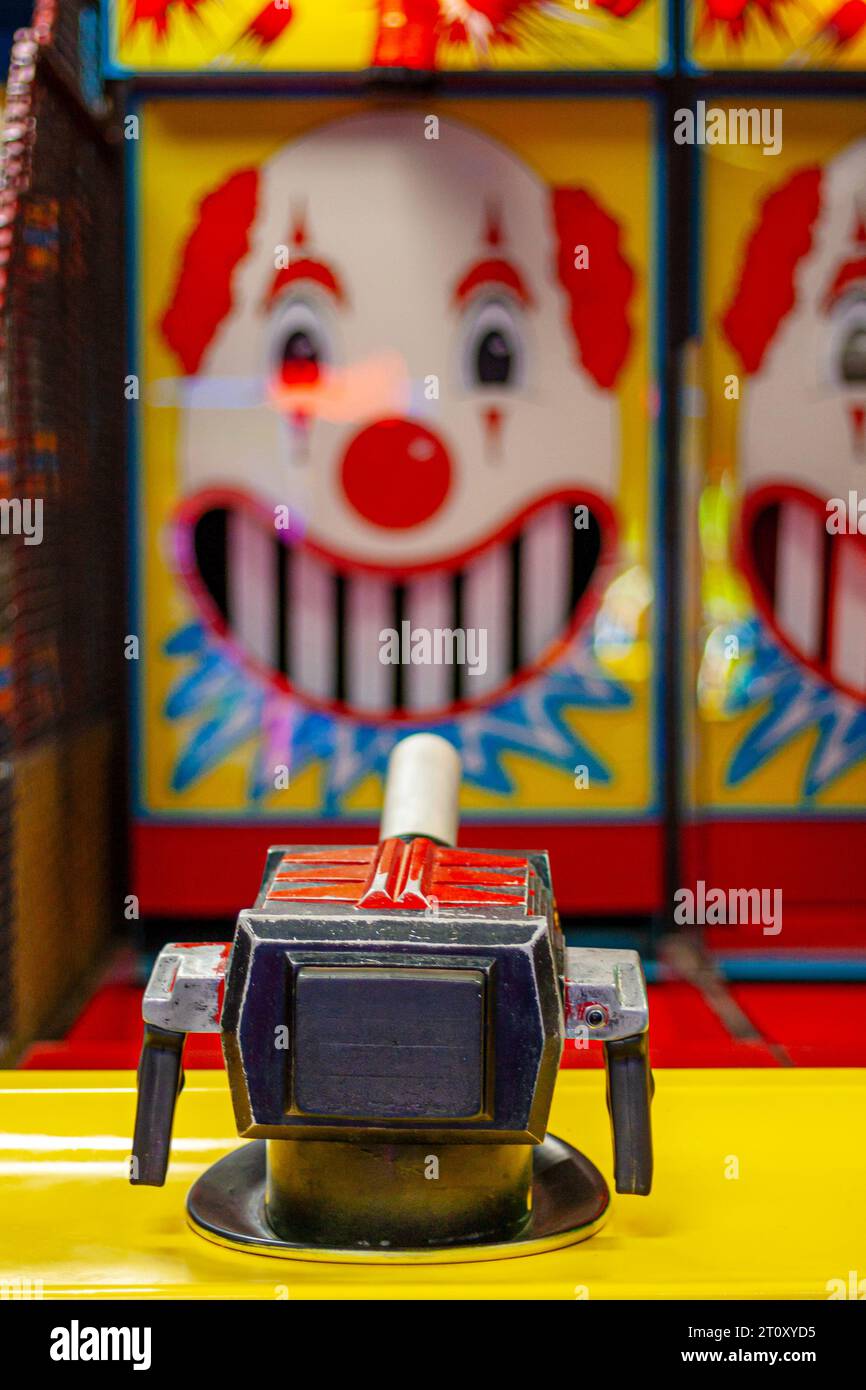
630 1089
160 1081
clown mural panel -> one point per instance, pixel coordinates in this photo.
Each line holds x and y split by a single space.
395 462
781 684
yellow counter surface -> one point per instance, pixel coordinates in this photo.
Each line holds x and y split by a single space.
760 1192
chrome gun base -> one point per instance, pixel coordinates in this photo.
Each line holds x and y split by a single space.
569 1203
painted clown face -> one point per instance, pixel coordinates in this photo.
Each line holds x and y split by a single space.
399 356
798 324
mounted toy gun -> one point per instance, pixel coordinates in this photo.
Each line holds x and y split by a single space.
392 1022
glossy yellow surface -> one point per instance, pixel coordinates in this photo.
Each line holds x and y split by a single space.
759 1194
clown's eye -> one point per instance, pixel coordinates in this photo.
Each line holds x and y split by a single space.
301 347
848 344
852 362
300 342
494 359
493 346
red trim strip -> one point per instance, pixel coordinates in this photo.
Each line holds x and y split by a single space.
214 870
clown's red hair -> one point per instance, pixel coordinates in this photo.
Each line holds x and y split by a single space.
203 293
765 288
599 295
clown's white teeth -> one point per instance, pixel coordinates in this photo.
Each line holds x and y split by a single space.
546 567
430 600
369 610
487 609
816 583
800 576
312 624
251 591
294 614
848 641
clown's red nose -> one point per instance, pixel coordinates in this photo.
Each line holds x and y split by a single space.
396 473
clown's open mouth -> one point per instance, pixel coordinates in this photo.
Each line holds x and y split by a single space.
809 584
313 625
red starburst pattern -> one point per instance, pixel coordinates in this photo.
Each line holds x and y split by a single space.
502 16
845 24
738 17
158 13
620 9
411 33
269 24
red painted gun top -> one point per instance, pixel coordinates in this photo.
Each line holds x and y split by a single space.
400 874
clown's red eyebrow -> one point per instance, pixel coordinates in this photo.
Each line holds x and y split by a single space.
306 269
493 272
850 273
